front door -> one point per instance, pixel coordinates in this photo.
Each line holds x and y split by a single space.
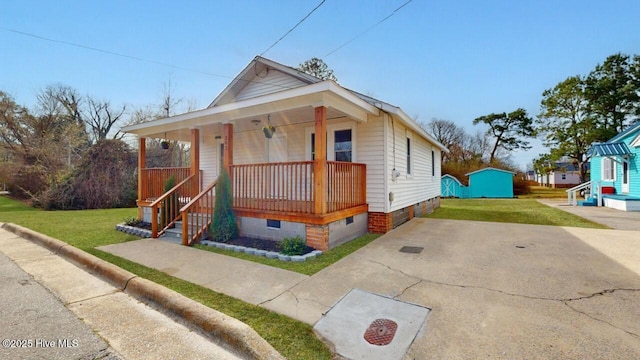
625 176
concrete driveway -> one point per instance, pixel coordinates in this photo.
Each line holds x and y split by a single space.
496 291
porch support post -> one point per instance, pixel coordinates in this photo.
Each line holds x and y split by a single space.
227 161
320 162
142 163
195 161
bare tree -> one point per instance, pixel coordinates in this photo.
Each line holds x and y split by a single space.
101 118
448 134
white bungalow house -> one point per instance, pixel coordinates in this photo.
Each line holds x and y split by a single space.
306 157
563 175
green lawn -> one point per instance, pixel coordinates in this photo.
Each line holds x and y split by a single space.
520 211
541 192
89 229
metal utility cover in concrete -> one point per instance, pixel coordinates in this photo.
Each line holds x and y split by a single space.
411 249
347 322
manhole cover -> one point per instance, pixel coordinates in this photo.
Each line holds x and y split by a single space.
381 332
411 249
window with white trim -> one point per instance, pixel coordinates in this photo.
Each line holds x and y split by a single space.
608 169
408 156
433 163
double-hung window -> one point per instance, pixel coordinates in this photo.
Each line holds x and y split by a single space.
608 169
408 156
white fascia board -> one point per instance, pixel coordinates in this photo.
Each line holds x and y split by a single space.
636 141
412 124
327 93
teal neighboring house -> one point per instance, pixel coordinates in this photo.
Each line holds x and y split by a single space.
491 183
615 170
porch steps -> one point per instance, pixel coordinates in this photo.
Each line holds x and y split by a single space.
175 233
588 202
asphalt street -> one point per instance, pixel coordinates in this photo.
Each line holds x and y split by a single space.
35 324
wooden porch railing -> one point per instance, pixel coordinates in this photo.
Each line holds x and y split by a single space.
289 187
153 180
346 185
197 215
168 206
286 186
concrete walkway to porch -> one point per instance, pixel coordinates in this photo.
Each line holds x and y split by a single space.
615 219
251 282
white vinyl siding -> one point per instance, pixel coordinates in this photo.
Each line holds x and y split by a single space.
421 185
273 82
368 148
370 151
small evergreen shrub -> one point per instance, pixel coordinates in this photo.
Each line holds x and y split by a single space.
170 207
293 246
223 227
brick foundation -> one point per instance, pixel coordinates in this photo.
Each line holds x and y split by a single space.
380 223
410 212
318 236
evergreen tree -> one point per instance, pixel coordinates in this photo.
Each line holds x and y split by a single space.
223 227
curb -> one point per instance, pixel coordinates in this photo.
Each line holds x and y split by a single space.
215 324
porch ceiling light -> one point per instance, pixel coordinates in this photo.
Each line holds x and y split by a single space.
256 122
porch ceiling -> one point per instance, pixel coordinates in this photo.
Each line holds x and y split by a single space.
285 107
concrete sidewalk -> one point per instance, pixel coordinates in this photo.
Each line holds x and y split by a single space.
251 282
494 290
132 328
615 219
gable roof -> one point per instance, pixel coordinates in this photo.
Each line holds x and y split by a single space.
449 176
260 64
260 67
628 131
294 85
488 169
564 166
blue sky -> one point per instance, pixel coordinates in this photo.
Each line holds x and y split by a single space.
454 60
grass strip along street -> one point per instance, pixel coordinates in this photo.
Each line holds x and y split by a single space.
88 229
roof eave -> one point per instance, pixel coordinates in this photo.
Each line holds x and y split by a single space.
326 93
398 112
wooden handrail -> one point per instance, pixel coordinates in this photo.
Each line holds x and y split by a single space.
153 179
197 215
170 200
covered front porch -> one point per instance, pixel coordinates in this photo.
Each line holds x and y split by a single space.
313 181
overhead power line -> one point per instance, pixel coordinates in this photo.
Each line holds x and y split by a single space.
113 53
132 57
369 29
293 28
